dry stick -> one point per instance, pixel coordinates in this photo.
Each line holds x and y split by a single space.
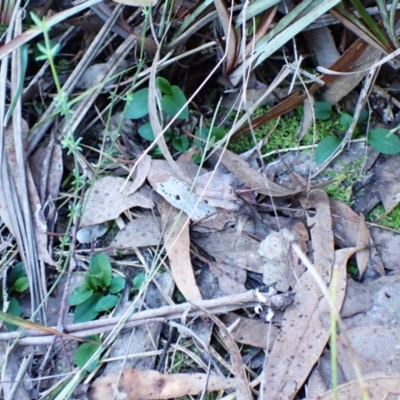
215 306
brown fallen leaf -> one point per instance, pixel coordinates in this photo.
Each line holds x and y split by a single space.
142 169
373 356
240 251
388 185
231 279
320 225
376 388
298 268
148 384
363 240
177 192
141 232
274 250
252 178
241 382
347 228
105 202
304 334
250 331
177 243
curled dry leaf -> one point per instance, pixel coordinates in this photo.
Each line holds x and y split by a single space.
106 203
141 232
136 384
177 243
350 230
178 193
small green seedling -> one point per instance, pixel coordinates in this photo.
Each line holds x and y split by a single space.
85 351
99 293
217 133
138 281
382 140
17 282
172 100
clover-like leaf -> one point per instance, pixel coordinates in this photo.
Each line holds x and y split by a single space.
138 104
172 103
79 295
100 267
326 147
384 141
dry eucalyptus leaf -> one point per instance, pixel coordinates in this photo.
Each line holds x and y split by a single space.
226 245
241 382
106 203
376 388
178 193
136 384
372 347
142 170
218 191
177 243
274 249
320 223
363 240
388 184
231 279
347 227
91 233
250 331
304 334
252 178
297 267
141 232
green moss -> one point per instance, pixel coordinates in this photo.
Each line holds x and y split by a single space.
342 188
392 220
285 135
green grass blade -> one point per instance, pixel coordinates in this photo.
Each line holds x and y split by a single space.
370 22
254 8
393 33
264 49
192 17
386 20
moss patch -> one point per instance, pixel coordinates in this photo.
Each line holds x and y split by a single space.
392 220
285 134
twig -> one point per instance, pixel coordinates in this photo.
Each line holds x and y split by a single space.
214 306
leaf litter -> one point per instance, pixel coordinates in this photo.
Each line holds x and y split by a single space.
180 233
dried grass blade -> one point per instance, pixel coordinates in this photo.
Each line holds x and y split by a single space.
230 36
30 34
155 122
